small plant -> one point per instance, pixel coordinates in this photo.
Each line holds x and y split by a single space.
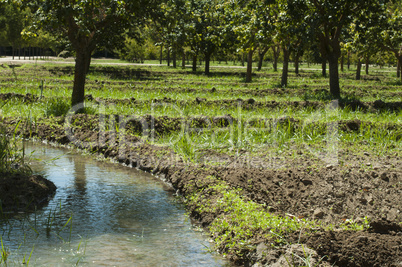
4 252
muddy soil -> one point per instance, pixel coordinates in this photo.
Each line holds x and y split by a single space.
24 193
300 187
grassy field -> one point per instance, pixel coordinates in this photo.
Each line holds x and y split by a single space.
212 123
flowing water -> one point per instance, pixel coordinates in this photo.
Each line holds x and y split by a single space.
103 214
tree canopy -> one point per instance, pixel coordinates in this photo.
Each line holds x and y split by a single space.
206 28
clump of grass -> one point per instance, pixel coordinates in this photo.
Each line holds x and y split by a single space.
11 156
57 107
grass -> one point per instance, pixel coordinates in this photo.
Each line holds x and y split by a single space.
12 157
54 223
178 89
240 221
259 130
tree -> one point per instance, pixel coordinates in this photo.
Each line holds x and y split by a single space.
390 31
328 19
88 25
14 19
204 29
252 24
292 32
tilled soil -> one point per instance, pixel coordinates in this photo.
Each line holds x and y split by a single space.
329 193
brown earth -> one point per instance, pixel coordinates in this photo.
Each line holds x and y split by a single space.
20 192
301 187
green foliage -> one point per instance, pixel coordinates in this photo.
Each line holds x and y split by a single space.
239 220
56 107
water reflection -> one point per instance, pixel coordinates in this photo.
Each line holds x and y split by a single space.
120 217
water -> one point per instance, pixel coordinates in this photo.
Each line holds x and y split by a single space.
103 214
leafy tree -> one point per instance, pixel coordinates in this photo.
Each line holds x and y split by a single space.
292 32
328 19
390 31
88 25
13 21
170 26
204 27
251 23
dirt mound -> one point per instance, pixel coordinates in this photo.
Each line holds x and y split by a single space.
27 98
24 193
350 248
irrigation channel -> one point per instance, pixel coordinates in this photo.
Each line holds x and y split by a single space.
103 214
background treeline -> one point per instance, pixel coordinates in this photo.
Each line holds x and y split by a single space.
189 32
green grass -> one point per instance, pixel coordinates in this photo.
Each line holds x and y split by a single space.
180 88
240 221
12 158
256 131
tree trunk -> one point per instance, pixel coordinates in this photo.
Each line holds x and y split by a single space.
358 69
81 63
174 58
87 64
276 50
261 55
348 60
367 64
161 55
285 68
183 59
297 63
194 63
342 61
399 57
242 59
324 67
334 76
13 52
398 69
207 61
249 66
168 57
